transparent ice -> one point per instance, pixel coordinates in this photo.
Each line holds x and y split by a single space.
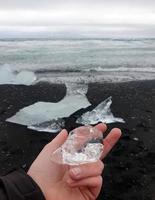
83 145
52 126
47 111
102 113
40 115
9 76
76 88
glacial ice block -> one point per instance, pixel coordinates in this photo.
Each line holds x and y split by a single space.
102 113
76 88
9 76
53 126
83 145
46 111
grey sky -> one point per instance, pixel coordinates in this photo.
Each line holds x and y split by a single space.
50 12
111 15
41 4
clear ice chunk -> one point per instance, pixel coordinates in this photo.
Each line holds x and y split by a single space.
53 126
9 76
102 113
46 111
25 78
83 145
76 89
47 116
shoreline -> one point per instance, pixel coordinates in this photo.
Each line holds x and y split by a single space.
129 169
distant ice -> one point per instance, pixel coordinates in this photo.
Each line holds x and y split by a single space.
102 113
9 76
75 88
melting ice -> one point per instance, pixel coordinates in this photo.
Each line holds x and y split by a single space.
40 115
9 76
53 126
102 113
47 116
83 145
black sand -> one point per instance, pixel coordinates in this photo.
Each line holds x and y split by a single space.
129 169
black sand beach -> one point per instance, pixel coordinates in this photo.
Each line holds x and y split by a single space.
129 169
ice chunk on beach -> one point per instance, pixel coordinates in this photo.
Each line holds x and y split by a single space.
46 111
47 116
25 78
102 113
53 126
76 89
83 145
9 76
6 74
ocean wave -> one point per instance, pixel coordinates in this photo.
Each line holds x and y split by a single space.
98 74
123 69
93 77
80 69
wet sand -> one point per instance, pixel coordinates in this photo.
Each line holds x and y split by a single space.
129 169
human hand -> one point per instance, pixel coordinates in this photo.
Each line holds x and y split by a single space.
59 182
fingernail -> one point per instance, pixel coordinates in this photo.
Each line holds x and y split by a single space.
76 171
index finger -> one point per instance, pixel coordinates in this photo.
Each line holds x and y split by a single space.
101 127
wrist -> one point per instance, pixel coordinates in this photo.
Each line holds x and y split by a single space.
38 181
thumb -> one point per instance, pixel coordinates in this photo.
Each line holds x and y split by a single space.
58 140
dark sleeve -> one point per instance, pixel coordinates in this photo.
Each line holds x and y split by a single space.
19 186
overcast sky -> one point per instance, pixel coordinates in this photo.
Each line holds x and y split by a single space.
54 4
110 15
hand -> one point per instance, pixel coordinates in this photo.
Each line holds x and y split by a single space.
59 182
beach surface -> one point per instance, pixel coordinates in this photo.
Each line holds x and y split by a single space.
130 167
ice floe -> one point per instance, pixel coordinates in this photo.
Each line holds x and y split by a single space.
48 116
102 113
9 76
52 126
76 88
46 111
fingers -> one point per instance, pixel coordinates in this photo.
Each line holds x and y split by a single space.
62 136
86 170
102 127
58 140
87 176
89 182
93 183
111 140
